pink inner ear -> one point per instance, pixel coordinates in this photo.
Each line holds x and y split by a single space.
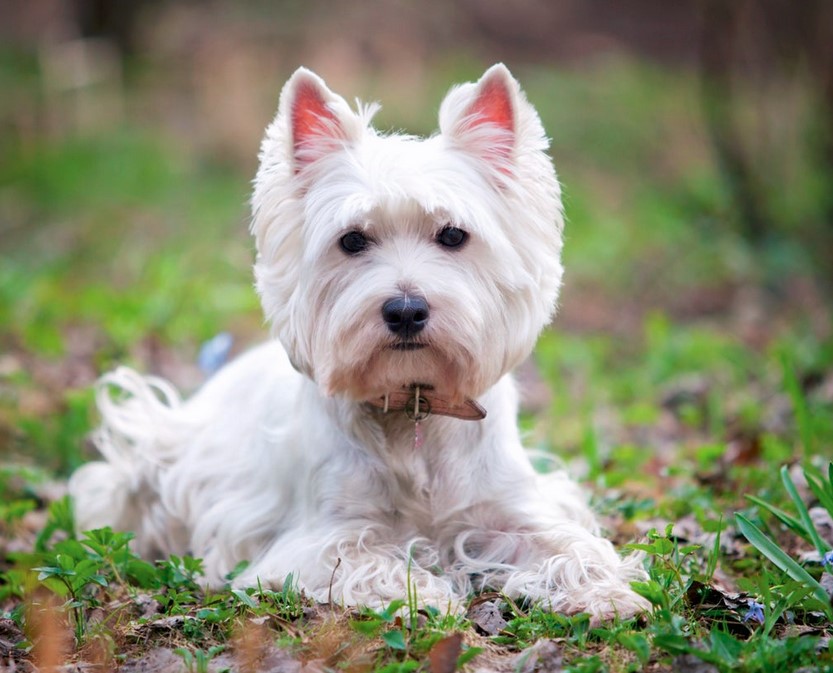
493 105
311 118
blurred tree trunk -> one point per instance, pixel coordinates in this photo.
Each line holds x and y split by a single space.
720 29
784 38
116 20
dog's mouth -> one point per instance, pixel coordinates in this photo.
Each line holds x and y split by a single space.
407 346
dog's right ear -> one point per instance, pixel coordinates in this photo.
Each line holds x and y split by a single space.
318 121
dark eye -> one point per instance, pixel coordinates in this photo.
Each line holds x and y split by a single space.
452 237
353 242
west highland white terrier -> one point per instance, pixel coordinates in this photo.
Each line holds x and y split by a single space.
376 444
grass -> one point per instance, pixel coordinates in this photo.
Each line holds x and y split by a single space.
121 247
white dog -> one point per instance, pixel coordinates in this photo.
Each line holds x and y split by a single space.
405 278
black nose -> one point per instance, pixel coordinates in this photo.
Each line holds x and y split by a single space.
405 316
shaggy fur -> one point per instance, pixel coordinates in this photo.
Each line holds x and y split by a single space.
281 460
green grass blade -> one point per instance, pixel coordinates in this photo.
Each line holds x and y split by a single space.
803 514
830 479
818 489
781 559
711 567
828 484
799 404
787 519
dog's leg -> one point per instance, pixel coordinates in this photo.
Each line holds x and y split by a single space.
566 568
353 565
556 562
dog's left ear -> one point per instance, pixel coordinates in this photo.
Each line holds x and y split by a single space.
481 118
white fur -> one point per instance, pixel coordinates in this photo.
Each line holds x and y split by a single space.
278 459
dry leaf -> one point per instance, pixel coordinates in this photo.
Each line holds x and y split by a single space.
543 657
487 618
443 656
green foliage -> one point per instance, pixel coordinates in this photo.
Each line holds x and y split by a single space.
59 438
822 487
197 660
524 629
74 569
59 519
408 633
89 572
151 275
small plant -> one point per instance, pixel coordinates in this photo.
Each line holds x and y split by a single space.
178 577
668 579
410 633
287 604
77 569
384 624
524 629
803 526
71 573
197 660
59 520
12 512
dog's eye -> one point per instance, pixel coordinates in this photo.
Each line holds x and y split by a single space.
452 237
353 242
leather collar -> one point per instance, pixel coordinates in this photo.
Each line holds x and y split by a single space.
419 402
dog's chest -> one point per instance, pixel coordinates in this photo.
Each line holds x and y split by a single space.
422 476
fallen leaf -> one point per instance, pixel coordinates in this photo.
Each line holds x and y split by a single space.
157 660
10 636
487 618
688 663
543 657
731 609
443 656
823 522
827 582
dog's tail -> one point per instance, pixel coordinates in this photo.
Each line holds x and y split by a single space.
141 426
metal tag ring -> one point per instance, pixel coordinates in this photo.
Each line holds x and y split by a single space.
420 410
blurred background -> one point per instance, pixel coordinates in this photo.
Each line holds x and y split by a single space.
694 140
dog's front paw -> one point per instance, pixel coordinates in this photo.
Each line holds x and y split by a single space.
607 605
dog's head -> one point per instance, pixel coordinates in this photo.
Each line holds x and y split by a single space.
388 260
